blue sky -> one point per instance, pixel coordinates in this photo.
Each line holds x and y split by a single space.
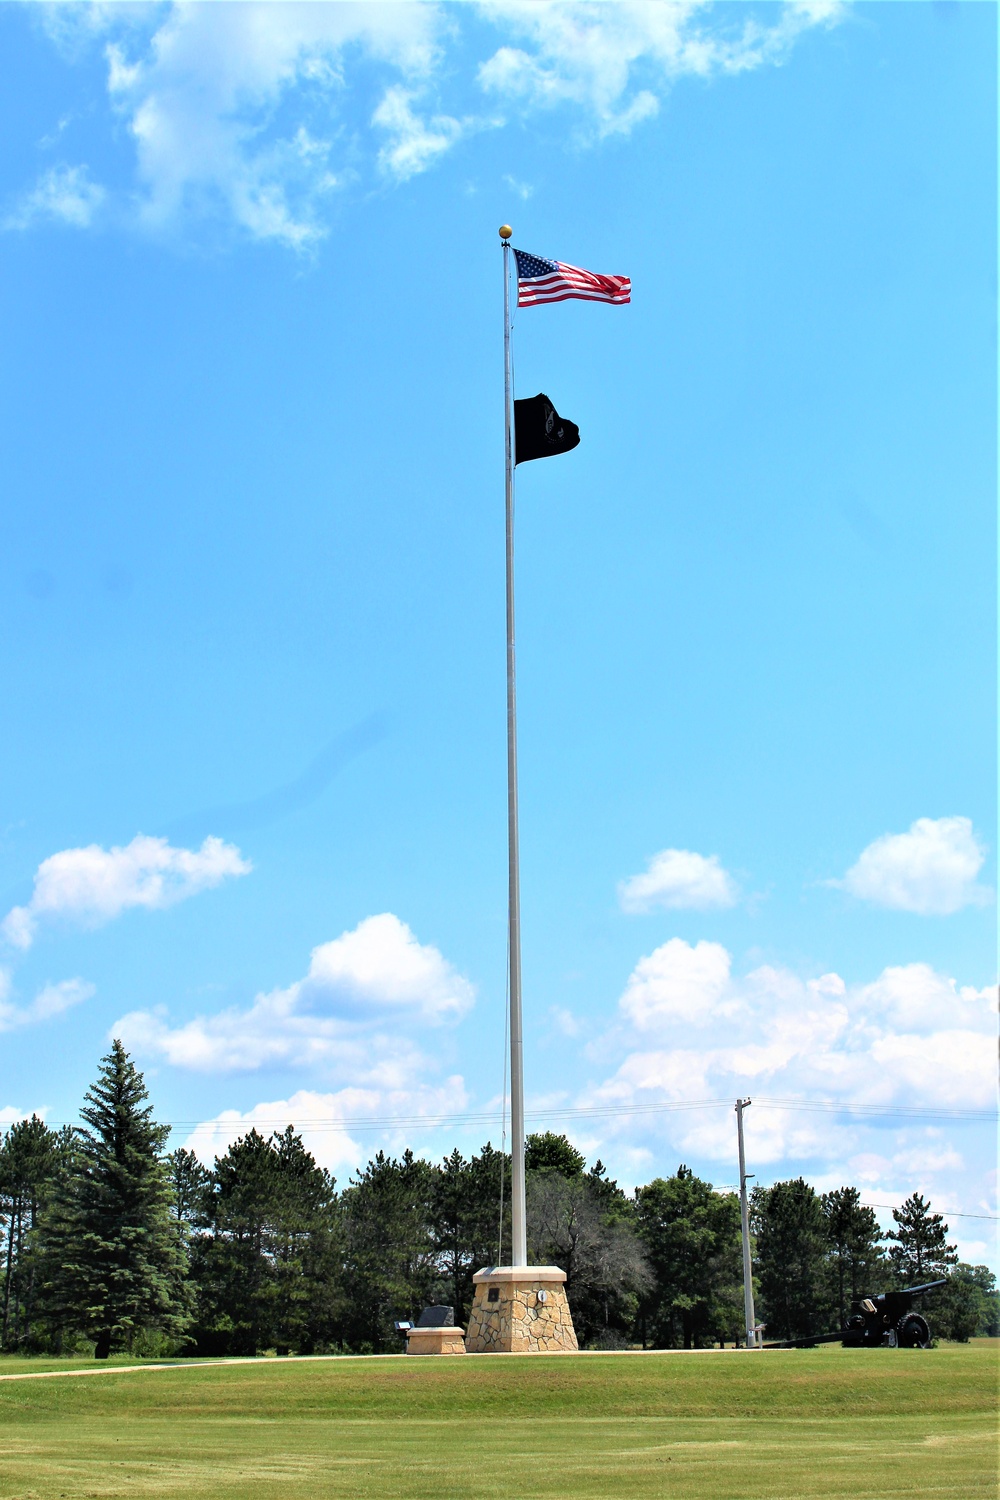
252 577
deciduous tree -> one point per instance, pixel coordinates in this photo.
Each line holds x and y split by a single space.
969 1306
581 1223
692 1238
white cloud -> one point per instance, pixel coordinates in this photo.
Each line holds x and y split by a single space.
92 885
566 1023
414 142
255 113
931 869
338 1128
11 1113
380 966
679 878
676 982
201 98
62 194
524 190
915 997
344 1015
614 61
50 1001
912 1038
956 1068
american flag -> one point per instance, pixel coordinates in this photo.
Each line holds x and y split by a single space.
540 280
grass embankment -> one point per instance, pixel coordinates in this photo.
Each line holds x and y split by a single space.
780 1425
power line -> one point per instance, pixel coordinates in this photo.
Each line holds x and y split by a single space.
949 1213
494 1117
382 1122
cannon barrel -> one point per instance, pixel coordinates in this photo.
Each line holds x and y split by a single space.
915 1291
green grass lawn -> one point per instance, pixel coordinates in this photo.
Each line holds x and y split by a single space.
828 1422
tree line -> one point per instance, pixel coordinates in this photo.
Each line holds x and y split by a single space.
111 1242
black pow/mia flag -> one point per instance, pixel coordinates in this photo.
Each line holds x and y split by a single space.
539 430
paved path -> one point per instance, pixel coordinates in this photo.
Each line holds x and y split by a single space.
300 1359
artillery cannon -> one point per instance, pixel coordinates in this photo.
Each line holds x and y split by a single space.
890 1320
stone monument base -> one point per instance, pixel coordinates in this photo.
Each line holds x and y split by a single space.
520 1310
435 1341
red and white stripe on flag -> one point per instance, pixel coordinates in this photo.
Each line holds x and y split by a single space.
556 281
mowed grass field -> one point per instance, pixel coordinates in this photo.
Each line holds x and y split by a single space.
828 1422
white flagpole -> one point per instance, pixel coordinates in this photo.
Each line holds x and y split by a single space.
519 1242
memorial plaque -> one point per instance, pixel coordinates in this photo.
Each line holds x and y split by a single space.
437 1317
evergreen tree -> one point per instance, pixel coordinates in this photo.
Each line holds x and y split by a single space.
489 1186
855 1261
465 1221
692 1237
919 1250
190 1182
791 1253
307 1248
390 1266
268 1267
547 1152
109 1251
449 1212
30 1159
231 1263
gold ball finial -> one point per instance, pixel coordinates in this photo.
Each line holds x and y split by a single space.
505 231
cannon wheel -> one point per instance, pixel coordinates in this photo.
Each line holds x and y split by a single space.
913 1332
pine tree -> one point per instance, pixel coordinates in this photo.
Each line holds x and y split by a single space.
465 1221
855 1260
390 1268
110 1256
920 1251
791 1251
189 1181
30 1158
268 1270
548 1152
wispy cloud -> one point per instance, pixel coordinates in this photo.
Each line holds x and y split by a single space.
50 1001
201 95
254 115
414 140
613 63
524 190
62 195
